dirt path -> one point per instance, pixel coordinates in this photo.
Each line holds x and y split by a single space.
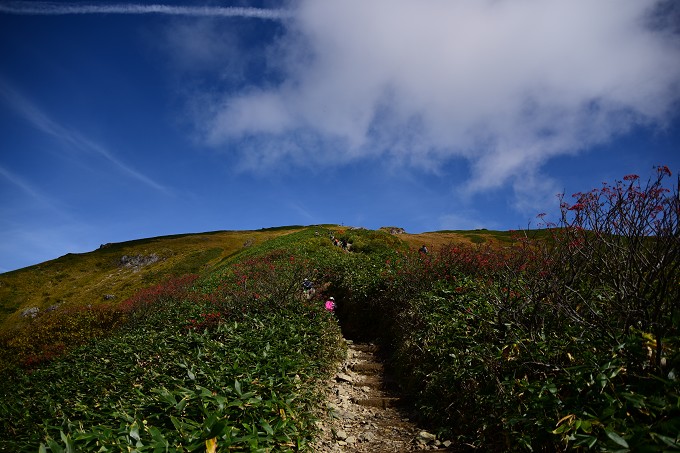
364 416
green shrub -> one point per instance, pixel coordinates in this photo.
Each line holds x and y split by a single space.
235 365
561 343
54 333
247 384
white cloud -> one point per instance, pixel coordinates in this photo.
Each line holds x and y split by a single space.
505 85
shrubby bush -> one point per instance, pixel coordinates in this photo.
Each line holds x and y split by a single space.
569 341
566 342
233 363
53 333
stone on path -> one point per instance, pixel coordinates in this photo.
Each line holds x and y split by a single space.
364 416
343 377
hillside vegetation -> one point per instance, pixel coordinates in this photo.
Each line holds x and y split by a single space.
566 339
117 271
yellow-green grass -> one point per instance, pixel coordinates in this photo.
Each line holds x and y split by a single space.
92 277
492 238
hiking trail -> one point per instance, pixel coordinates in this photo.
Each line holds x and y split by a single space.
365 414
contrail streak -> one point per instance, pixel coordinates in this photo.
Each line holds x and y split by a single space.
45 124
54 9
11 177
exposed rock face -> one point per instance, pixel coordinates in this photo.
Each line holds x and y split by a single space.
138 261
394 230
30 312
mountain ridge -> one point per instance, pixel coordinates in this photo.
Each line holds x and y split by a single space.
115 271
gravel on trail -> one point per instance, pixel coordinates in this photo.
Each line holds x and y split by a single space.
363 415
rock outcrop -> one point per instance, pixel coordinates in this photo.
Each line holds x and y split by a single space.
394 230
136 262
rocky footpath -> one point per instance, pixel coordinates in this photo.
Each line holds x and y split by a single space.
364 415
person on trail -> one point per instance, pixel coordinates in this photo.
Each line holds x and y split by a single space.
307 285
307 288
423 249
330 304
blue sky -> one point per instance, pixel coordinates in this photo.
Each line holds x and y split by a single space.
121 121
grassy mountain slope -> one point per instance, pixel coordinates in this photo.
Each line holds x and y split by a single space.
120 269
491 344
566 343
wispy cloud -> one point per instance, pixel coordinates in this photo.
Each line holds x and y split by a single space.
302 211
55 8
462 221
25 187
44 123
22 246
